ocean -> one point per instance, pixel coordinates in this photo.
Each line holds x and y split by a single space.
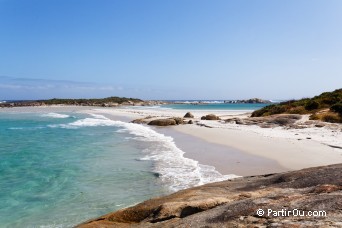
58 169
213 105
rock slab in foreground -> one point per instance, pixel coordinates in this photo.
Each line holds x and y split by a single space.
234 203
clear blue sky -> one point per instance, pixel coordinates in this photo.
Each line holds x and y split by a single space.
170 49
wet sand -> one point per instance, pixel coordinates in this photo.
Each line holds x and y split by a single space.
225 159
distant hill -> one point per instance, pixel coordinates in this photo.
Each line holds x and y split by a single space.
326 107
105 102
108 100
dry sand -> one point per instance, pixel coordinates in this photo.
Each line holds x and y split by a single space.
290 153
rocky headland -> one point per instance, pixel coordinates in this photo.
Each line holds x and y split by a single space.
274 200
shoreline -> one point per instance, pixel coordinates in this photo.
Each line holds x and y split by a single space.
243 150
289 153
281 149
231 148
225 159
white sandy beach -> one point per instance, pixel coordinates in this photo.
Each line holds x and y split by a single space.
282 149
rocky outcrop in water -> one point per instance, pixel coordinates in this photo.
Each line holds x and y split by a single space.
249 101
274 200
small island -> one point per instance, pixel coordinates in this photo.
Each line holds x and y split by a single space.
249 101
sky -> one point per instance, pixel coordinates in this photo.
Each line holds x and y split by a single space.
170 49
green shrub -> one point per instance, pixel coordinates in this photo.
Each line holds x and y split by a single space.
298 110
262 112
304 106
311 105
278 109
331 118
337 108
314 117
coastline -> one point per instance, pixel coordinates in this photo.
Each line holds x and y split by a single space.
231 148
244 150
282 149
292 154
223 157
236 201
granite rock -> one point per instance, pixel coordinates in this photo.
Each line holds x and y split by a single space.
234 203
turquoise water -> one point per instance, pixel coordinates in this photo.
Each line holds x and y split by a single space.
57 177
60 169
216 106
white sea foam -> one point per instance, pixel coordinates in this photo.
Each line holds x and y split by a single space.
175 170
25 128
55 115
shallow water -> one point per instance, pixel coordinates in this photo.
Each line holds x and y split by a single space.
59 169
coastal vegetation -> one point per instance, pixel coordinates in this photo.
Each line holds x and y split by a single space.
105 102
108 100
326 107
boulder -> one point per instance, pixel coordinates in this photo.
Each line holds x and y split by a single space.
163 122
139 121
287 120
190 122
235 121
188 115
210 117
178 120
